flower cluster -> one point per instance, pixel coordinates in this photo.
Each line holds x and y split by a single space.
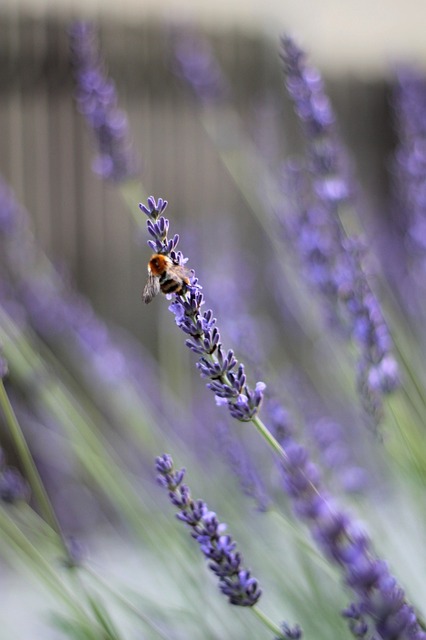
290 633
97 100
380 608
227 376
333 260
410 164
195 62
234 581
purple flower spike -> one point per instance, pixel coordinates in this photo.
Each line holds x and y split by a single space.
226 375
409 166
235 582
380 609
154 209
357 624
334 262
97 101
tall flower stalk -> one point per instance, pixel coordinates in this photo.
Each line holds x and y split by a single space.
409 102
11 482
97 100
235 582
380 607
227 378
332 258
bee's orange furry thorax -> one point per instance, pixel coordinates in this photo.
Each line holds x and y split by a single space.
158 264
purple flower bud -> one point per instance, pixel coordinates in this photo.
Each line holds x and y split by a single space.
219 549
164 464
290 633
357 623
195 63
13 487
154 209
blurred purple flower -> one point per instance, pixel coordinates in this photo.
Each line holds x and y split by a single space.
410 167
290 633
10 211
241 464
195 63
97 100
77 552
219 549
336 455
227 376
13 487
3 367
380 602
332 260
55 309
357 623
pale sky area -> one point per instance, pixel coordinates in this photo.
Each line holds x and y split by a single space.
358 35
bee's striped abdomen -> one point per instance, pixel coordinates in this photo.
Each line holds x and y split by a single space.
169 284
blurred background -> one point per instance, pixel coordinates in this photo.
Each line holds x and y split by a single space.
126 375
46 148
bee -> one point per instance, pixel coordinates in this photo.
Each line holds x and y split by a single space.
165 276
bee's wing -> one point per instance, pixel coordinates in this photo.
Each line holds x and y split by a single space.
183 273
151 289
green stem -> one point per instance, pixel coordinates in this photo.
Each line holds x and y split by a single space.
267 435
25 552
29 555
133 192
32 473
267 622
23 353
126 603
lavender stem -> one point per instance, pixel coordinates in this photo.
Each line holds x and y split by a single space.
267 622
30 467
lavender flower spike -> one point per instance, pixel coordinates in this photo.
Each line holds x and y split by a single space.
227 378
334 261
409 166
235 582
97 100
380 609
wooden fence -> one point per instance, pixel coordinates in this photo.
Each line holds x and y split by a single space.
46 147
